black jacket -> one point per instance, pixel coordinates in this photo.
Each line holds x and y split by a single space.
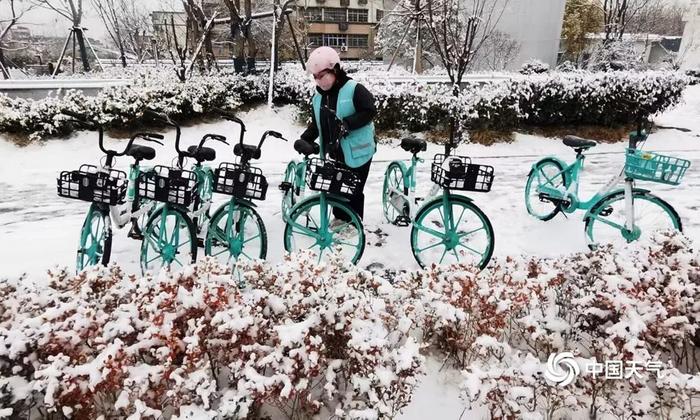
364 112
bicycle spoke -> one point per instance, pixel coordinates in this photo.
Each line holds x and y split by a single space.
609 223
250 239
463 234
470 249
429 247
221 252
178 261
345 243
341 227
184 243
460 217
153 259
443 255
430 231
246 255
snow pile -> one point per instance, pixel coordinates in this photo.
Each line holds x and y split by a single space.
305 339
555 98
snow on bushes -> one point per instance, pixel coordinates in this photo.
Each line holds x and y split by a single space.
302 339
556 98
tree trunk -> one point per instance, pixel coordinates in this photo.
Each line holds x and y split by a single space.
3 65
83 49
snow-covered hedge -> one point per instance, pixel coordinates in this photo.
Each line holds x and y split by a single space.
302 339
554 99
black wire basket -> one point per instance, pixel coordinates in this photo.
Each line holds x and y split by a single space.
458 173
90 184
168 185
240 182
331 177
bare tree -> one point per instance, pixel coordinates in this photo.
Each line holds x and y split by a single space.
110 13
197 23
15 14
659 17
617 15
73 11
499 50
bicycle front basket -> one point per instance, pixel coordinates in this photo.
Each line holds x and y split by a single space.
331 177
648 166
90 184
240 182
458 173
168 185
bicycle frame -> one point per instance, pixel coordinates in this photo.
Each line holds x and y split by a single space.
409 179
122 215
572 173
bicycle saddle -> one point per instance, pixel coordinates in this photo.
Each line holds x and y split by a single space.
246 150
578 142
204 154
140 152
413 145
306 148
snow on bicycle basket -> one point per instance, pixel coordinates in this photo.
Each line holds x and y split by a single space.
648 166
91 184
240 182
327 176
458 173
168 185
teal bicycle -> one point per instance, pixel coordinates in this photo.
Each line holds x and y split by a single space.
613 215
115 197
447 228
309 223
170 235
236 229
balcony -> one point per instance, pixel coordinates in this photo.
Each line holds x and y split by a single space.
344 3
362 2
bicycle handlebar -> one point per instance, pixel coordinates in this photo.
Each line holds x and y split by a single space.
165 119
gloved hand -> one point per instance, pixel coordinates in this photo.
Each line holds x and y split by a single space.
306 148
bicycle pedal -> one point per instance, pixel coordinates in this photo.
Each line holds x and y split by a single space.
402 221
134 235
200 243
606 212
285 186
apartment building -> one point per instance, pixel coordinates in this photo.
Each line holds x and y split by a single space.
346 25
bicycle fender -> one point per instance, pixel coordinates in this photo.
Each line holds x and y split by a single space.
439 198
561 162
612 193
403 166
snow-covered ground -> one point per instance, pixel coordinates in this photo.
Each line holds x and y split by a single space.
40 229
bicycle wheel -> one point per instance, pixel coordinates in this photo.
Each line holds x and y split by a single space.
95 244
606 220
291 195
236 230
393 186
546 173
305 229
465 235
170 237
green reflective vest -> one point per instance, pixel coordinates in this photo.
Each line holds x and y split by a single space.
359 145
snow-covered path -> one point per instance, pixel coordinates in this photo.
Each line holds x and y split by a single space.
39 229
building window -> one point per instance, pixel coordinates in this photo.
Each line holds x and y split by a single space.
380 15
335 40
313 14
357 15
335 15
315 40
358 41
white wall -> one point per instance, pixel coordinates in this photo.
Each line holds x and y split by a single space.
536 24
689 52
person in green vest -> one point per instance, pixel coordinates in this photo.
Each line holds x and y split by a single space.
342 115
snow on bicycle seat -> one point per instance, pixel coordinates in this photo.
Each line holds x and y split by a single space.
203 154
578 142
140 152
413 145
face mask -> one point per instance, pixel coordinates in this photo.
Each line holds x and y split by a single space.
326 82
